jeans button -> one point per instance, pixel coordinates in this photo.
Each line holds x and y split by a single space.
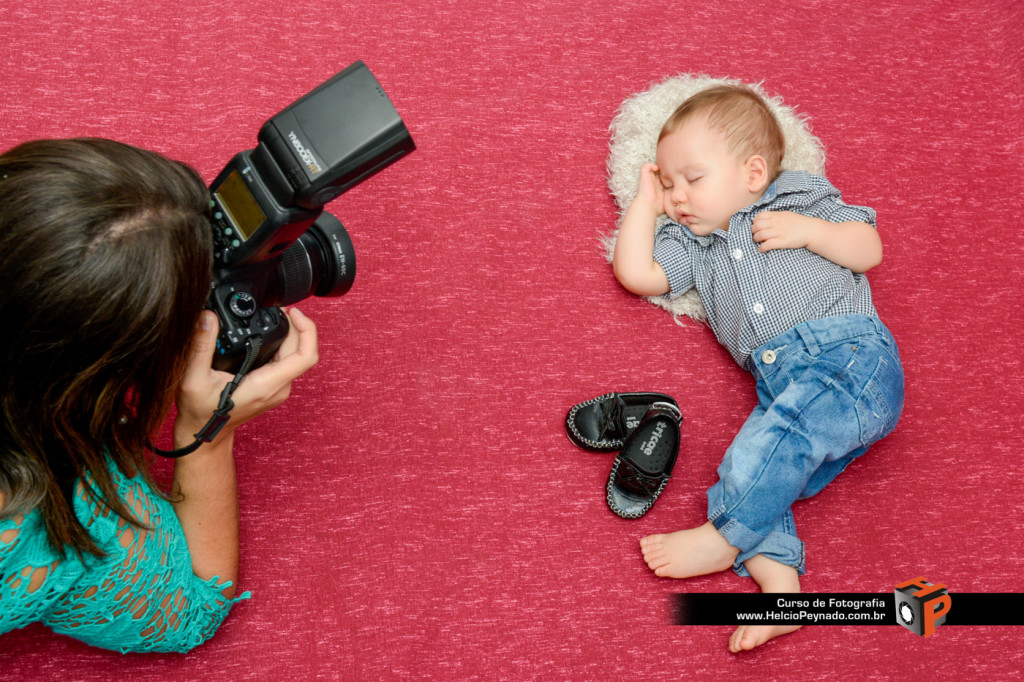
768 357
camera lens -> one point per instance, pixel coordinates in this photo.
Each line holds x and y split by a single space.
322 262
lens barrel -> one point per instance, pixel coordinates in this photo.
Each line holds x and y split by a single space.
322 262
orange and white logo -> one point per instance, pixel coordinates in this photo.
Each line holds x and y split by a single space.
921 606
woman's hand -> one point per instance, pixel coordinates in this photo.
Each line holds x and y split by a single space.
204 482
262 389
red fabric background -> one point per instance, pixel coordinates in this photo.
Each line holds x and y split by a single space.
415 510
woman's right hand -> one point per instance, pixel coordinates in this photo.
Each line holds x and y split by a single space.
262 389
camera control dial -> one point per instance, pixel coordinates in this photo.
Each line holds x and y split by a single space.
242 304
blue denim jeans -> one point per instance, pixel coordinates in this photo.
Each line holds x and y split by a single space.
827 389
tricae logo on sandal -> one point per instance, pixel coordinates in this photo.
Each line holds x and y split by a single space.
649 446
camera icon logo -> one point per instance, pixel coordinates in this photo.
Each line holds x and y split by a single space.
921 606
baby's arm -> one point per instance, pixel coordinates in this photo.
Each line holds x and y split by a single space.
633 260
851 244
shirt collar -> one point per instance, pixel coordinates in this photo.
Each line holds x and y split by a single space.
767 197
704 240
770 193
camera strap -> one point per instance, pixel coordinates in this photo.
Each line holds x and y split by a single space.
223 412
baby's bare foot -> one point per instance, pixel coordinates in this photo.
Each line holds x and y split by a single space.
686 553
772 577
746 637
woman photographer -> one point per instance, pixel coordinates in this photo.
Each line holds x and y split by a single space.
105 266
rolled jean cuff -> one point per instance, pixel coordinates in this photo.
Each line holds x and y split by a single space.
785 548
781 547
738 535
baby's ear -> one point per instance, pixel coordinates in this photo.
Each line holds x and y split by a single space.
757 173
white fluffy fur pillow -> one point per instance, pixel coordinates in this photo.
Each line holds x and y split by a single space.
634 142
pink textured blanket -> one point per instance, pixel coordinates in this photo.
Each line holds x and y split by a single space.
415 509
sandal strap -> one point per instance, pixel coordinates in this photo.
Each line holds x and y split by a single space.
632 477
668 409
611 420
636 513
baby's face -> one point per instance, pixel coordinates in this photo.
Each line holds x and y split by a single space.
705 184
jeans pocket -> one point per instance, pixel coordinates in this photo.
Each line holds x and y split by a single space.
881 403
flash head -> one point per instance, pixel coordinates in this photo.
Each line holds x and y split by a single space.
334 137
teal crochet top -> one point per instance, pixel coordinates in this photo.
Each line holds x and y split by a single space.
142 596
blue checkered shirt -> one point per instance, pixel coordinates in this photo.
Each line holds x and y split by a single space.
752 297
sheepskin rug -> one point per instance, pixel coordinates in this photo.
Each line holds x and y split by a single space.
634 141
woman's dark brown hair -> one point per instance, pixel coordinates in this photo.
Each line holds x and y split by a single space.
105 265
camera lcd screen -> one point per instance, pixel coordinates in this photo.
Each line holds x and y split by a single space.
240 204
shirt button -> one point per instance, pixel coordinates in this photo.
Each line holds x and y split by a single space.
768 357
738 254
759 309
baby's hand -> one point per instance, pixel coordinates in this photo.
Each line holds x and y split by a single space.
781 230
650 189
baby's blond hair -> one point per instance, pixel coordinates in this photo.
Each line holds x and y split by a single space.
741 116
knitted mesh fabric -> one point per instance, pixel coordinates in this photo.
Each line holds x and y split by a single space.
142 596
634 141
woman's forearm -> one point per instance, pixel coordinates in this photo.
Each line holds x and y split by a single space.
206 503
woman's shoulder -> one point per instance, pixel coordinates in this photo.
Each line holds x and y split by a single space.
31 571
23 542
37 581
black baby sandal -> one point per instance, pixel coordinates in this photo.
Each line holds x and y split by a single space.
641 471
603 423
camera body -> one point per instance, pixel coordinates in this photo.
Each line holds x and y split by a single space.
273 242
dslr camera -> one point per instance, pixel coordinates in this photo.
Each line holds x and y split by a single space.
274 244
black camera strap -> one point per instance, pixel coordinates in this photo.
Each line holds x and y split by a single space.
223 412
